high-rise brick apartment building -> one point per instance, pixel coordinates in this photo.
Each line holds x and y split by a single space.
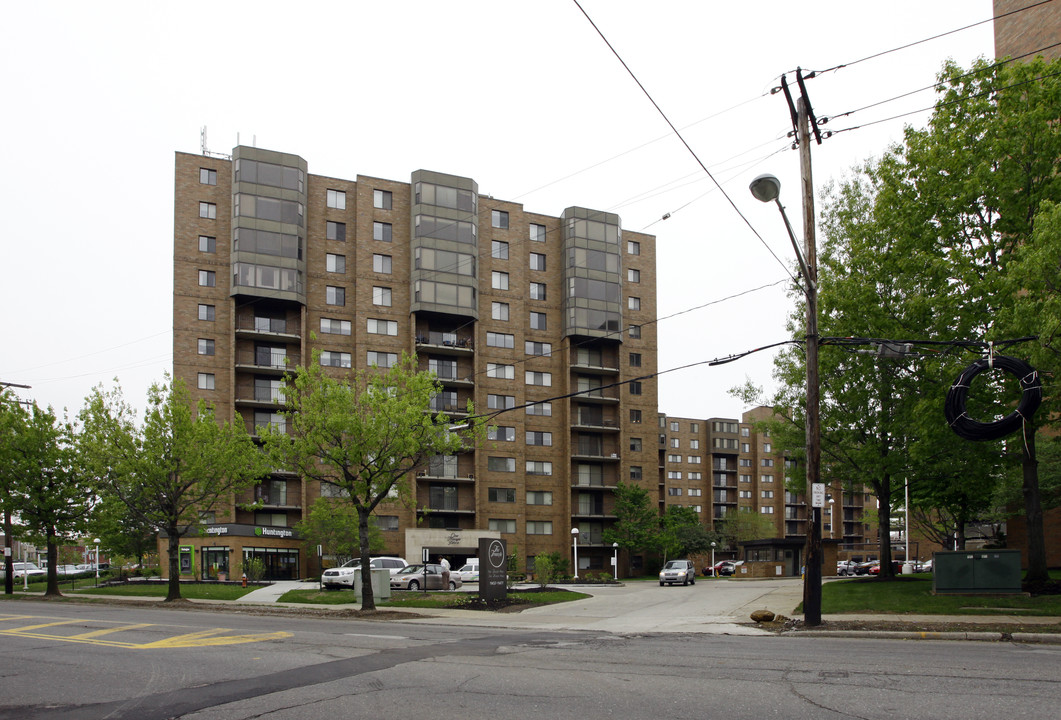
508 307
722 466
1028 31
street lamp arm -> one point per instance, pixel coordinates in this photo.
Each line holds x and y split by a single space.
803 270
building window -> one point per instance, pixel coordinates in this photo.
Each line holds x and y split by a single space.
382 359
745 494
674 474
537 233
543 409
335 263
767 462
538 467
767 447
635 387
635 359
499 371
674 426
501 340
694 459
206 346
329 358
674 458
337 199
500 402
694 427
206 381
499 219
745 447
537 261
745 478
539 378
674 492
502 526
501 464
539 527
381 296
501 495
382 199
208 210
635 444
377 326
207 278
766 478
635 416
675 442
634 303
694 444
381 263
633 275
768 510
635 331
695 476
537 291
336 231
382 231
633 247
499 280
501 433
499 250
499 310
539 497
331 326
538 348
542 439
695 492
207 244
334 295
767 493
538 321
207 176
206 312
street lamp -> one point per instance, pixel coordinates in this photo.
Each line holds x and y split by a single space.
832 517
767 188
96 540
615 560
574 543
713 573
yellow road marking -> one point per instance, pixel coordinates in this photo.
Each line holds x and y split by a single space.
107 631
202 638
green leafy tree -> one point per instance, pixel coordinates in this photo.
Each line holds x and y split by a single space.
51 495
121 531
178 463
743 526
332 523
682 534
366 434
636 527
930 243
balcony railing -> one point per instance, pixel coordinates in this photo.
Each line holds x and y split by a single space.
268 358
444 339
268 326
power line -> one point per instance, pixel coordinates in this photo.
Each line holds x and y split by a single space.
678 134
933 37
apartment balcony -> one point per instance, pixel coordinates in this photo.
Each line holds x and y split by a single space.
444 343
592 484
590 514
262 328
248 394
451 408
265 499
584 367
267 361
596 424
598 396
428 476
462 508
594 455
253 427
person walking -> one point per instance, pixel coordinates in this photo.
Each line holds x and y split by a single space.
445 573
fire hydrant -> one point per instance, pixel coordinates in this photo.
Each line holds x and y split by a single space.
244 579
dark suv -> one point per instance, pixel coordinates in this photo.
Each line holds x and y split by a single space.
678 571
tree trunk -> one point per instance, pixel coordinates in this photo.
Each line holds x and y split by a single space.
174 591
52 589
1033 510
884 523
368 598
9 555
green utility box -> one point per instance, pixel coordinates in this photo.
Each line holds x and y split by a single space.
976 571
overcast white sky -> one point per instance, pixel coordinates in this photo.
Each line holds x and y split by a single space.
522 96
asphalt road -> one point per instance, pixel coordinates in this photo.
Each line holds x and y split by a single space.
89 662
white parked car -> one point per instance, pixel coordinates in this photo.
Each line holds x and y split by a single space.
343 576
469 572
19 569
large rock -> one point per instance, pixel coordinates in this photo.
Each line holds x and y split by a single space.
761 616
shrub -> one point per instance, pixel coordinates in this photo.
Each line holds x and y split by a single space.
253 568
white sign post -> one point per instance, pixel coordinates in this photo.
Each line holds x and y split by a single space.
817 495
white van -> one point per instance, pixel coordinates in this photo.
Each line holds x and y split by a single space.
470 571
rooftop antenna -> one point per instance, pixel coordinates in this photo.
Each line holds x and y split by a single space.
208 153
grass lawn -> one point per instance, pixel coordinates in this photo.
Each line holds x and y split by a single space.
191 591
427 600
913 594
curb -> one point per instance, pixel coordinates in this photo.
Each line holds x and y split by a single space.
1043 638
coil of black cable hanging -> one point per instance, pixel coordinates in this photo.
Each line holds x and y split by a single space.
1031 395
